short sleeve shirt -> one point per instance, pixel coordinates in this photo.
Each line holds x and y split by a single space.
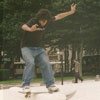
32 39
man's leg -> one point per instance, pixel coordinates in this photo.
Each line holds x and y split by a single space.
46 70
80 78
29 66
76 77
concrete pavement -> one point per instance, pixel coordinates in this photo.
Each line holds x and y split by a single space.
88 90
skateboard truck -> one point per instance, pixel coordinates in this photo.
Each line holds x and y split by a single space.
27 94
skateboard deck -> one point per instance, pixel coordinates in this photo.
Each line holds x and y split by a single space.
28 94
33 93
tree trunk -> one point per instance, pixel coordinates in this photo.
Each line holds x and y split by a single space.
66 55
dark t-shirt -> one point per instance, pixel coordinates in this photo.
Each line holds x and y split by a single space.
33 39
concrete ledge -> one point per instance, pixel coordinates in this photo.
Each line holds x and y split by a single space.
84 91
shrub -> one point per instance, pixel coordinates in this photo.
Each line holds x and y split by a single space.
4 74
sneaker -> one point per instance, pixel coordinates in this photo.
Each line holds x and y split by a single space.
81 80
26 89
53 88
75 82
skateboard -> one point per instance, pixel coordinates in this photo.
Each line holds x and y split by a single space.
28 94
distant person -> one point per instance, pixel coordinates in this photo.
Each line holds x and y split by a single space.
76 69
32 47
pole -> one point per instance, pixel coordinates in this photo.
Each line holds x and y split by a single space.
81 52
61 59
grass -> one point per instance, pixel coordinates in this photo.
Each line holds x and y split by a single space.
38 80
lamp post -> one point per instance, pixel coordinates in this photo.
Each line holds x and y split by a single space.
81 52
2 60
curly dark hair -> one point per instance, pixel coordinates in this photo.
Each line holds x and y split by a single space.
44 14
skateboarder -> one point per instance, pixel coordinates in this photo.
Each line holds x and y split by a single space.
32 48
77 73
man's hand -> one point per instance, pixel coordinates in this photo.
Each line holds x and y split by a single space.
36 28
73 8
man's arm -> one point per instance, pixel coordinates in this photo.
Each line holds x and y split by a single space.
65 14
34 27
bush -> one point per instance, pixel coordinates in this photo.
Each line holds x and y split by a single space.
4 74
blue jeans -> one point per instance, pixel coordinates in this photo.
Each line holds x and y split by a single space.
32 56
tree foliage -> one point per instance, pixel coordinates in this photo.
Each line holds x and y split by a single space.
80 27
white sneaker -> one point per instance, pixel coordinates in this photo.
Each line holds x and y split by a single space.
53 88
26 89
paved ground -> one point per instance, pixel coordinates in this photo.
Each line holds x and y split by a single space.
88 90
